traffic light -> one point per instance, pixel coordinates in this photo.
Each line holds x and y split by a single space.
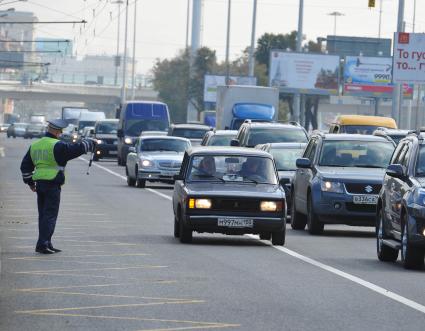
371 3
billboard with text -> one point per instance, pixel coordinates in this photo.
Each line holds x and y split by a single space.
409 58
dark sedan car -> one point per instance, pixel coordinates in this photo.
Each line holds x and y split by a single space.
229 191
338 180
193 132
105 132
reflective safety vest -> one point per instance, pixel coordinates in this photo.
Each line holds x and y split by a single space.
46 167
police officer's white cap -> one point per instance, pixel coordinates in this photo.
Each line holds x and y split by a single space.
57 124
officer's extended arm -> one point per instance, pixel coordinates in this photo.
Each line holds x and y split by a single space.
65 152
27 169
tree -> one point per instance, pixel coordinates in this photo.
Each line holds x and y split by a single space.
269 41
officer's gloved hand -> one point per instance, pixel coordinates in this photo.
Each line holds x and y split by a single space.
89 144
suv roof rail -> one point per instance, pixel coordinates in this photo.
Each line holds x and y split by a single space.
318 132
247 121
416 133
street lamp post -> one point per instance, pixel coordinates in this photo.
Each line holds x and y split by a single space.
335 14
297 96
397 91
118 2
229 11
133 67
124 66
252 48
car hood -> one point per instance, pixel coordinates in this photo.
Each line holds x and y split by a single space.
159 156
286 174
351 173
231 189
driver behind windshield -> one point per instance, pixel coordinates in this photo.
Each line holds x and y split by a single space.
207 166
252 169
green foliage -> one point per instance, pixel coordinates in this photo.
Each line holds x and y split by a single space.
269 41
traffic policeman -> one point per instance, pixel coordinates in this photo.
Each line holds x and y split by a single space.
43 169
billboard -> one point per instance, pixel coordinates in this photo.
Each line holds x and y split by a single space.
370 77
212 81
304 73
409 58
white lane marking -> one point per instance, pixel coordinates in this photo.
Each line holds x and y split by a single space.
2 153
394 296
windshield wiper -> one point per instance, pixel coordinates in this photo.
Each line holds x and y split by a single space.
366 166
251 180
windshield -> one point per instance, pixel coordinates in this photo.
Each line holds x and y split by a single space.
37 118
220 140
285 158
420 164
281 135
107 127
397 138
161 145
83 124
189 133
135 126
359 129
367 154
242 169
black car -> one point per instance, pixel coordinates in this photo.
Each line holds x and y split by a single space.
285 156
251 133
338 179
400 217
230 191
218 137
105 132
191 131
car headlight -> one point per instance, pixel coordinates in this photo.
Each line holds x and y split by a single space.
128 141
99 141
334 187
419 197
271 206
74 136
200 203
146 163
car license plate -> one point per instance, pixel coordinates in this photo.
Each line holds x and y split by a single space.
235 222
115 142
168 173
113 152
365 199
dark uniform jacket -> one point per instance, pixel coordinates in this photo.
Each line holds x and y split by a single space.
63 152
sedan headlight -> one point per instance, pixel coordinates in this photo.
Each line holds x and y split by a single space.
99 141
200 203
128 141
146 163
334 187
74 136
271 206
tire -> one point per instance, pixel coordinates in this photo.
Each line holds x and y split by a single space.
265 235
176 227
278 237
184 232
412 257
314 226
385 253
130 181
298 220
140 183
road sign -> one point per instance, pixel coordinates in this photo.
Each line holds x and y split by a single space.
371 4
409 58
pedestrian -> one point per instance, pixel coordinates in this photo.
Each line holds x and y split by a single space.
43 169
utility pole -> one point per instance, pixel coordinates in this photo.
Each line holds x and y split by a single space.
229 13
251 62
397 91
187 23
380 18
133 67
335 14
117 58
124 67
297 96
195 44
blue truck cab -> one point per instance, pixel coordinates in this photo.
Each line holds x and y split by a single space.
138 116
256 112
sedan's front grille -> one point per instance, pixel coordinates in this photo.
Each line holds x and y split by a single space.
109 141
169 164
360 208
362 188
225 204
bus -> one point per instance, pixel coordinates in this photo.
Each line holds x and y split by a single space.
136 117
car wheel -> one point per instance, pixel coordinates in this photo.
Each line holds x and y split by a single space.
184 232
385 253
298 220
314 226
130 181
411 256
278 237
265 235
176 227
140 183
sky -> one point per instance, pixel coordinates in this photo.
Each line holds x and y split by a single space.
161 24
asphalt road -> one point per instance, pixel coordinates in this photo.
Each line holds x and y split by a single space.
121 268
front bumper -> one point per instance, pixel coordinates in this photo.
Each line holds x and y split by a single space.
338 208
158 175
106 150
209 224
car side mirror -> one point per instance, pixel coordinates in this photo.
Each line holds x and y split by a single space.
234 142
132 150
303 163
120 133
395 170
284 181
178 177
